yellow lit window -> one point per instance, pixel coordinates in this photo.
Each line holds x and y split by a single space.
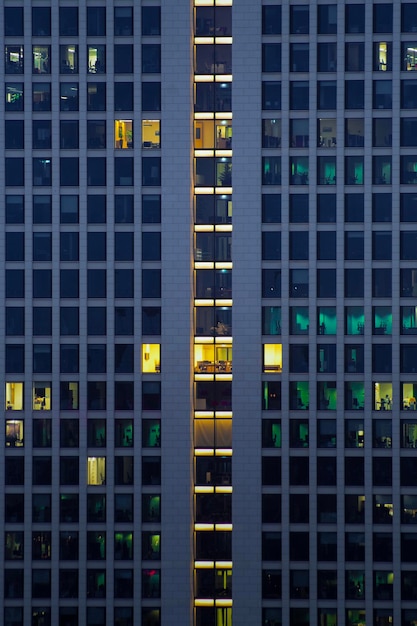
123 134
96 470
209 358
272 357
151 358
151 134
14 396
41 396
204 134
14 433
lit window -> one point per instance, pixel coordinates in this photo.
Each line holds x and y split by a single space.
14 433
151 358
123 134
272 357
14 396
41 396
96 470
151 134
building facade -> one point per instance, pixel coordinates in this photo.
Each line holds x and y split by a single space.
208 413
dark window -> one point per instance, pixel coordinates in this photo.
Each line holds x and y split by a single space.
123 97
14 134
41 134
15 209
151 321
69 283
354 283
271 57
151 58
151 246
69 358
68 21
151 20
409 131
151 283
42 470
96 246
69 320
41 96
326 245
271 245
299 95
409 17
96 396
42 320
15 283
382 132
382 207
382 94
299 20
68 171
299 245
96 209
123 283
123 209
151 171
15 359
299 208
326 57
42 283
42 358
69 246
68 469
354 94
354 245
41 21
96 171
381 358
381 245
96 358
14 171
96 320
151 96
271 20
271 95
96 283
13 21
124 321
96 96
15 321
408 94
123 172
123 21
42 209
327 19
68 135
124 395
15 246
123 246
42 246
354 57
326 94
123 58
96 134
96 21
382 282
355 18
123 358
382 18
326 283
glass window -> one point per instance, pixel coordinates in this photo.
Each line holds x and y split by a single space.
96 59
382 22
299 20
326 57
151 21
96 320
327 19
68 96
299 58
68 59
354 56
13 21
96 96
299 95
299 133
123 58
96 134
123 21
123 134
96 171
299 282
382 56
354 18
123 96
271 20
381 245
354 208
123 172
41 59
68 21
354 173
41 96
354 94
14 206
123 209
151 96
41 134
382 94
69 320
326 245
14 96
408 18
13 59
299 170
151 59
96 21
299 208
271 95
41 21
326 133
14 134
42 321
326 94
326 170
408 94
382 207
